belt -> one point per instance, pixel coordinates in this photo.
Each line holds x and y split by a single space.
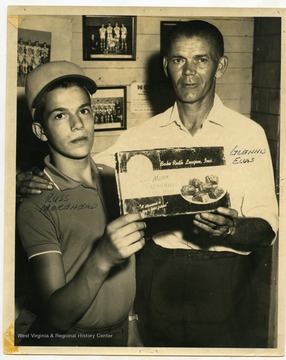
193 254
105 329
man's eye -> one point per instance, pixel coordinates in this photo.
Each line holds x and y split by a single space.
202 61
178 61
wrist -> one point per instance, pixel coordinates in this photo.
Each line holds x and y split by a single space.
231 231
100 261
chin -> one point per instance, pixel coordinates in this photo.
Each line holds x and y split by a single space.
81 156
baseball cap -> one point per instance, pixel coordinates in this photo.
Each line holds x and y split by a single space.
40 79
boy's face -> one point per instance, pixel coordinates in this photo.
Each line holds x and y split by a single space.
68 123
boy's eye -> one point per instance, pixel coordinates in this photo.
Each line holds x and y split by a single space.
59 116
85 111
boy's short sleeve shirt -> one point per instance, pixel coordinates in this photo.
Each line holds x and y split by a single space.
69 219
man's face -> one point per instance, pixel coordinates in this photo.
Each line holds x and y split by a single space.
193 66
68 122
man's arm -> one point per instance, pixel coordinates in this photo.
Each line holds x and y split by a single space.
238 233
64 303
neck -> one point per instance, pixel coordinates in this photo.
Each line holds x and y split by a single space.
77 169
194 114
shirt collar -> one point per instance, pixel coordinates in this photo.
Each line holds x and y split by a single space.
64 182
215 115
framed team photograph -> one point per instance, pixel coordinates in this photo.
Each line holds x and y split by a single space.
33 49
109 107
109 37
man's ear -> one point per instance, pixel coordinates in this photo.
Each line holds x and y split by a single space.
39 131
165 65
222 66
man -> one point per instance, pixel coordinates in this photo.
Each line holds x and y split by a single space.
193 279
194 275
79 262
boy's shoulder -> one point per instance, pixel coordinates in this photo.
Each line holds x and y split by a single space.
36 202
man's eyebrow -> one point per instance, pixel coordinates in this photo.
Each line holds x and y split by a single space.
202 55
177 56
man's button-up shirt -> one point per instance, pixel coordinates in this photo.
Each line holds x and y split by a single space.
248 162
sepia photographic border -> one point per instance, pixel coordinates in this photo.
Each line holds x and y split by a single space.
14 13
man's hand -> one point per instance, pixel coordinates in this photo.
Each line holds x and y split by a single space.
32 182
123 237
219 223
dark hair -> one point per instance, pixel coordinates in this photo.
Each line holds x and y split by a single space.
61 84
192 28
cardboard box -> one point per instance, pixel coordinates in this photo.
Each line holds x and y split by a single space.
172 181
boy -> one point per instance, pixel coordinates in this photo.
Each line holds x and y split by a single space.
83 268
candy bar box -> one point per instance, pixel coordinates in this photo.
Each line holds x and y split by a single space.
171 181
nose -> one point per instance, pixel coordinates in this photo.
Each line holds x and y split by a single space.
76 122
189 68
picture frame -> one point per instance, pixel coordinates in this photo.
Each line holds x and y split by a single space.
109 107
33 49
109 37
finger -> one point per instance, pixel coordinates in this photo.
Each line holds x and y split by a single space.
232 213
203 226
27 191
39 173
207 226
214 218
36 171
212 231
131 228
200 219
127 234
125 220
38 179
134 247
34 184
133 238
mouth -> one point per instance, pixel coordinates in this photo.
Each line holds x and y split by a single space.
80 140
190 84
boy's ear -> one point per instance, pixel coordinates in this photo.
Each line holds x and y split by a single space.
39 131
